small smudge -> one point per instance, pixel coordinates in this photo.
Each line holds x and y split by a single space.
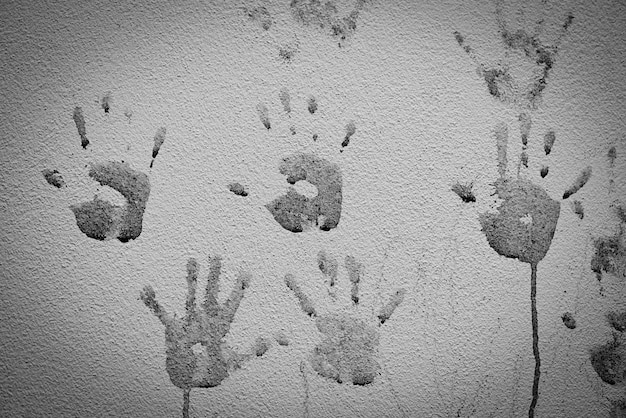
617 320
328 266
544 171
568 320
285 99
459 38
238 189
264 115
106 102
355 271
609 256
260 15
292 129
609 361
350 130
394 301
159 139
282 339
525 126
502 139
580 181
524 159
464 191
312 105
548 141
611 155
314 137
53 177
287 52
261 346
578 209
79 120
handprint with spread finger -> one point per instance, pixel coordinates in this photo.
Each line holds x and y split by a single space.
197 355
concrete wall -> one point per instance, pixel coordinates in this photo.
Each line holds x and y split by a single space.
430 112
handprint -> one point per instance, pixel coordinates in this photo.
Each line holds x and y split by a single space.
197 356
524 224
98 218
348 349
524 53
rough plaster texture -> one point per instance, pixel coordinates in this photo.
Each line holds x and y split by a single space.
386 92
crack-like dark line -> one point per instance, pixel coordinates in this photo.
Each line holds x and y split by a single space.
533 307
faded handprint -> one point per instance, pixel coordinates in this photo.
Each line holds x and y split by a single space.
525 54
347 353
197 356
609 362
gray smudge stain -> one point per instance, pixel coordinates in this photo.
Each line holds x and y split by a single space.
548 141
101 220
580 181
350 130
238 189
106 102
79 120
285 99
159 139
577 208
197 355
464 191
617 320
544 171
328 266
260 15
53 177
610 252
264 115
568 320
296 212
347 352
499 79
609 361
312 105
287 52
525 126
325 17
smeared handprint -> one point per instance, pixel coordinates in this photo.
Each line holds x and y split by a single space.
347 353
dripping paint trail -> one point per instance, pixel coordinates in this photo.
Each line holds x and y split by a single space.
523 229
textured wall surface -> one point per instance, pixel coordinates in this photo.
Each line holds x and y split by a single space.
439 152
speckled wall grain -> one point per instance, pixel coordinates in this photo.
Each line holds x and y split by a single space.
400 208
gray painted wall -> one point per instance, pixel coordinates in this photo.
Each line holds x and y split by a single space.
392 279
